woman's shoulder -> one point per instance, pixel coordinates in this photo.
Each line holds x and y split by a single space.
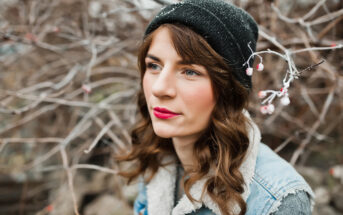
275 173
294 203
273 183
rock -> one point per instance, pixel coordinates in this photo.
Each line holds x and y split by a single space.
324 210
107 205
130 191
337 198
63 203
322 195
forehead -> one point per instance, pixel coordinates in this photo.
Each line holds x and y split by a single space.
162 46
173 43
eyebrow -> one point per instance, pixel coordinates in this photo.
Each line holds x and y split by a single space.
181 62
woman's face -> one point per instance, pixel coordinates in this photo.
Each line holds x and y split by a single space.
179 95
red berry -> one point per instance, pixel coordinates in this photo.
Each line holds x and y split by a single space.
49 208
260 67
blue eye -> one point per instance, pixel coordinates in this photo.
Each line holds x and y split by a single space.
189 72
153 66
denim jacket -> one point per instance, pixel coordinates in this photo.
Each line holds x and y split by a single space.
268 180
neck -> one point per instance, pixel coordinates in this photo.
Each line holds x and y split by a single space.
184 150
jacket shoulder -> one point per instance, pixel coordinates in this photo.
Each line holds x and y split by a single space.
274 179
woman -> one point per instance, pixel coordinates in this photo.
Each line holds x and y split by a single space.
196 148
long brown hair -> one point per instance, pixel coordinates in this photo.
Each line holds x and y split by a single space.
224 143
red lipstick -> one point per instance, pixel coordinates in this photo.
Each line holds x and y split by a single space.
164 113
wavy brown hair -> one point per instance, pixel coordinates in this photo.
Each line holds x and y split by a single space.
224 143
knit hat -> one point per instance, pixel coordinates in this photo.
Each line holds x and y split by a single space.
227 28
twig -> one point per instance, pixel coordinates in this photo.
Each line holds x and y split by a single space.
61 101
70 178
28 118
163 2
315 126
329 27
339 46
309 101
5 141
313 10
283 145
112 135
99 136
94 167
271 39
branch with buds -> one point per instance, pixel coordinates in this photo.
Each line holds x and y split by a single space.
292 73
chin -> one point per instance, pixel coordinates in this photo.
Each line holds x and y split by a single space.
163 133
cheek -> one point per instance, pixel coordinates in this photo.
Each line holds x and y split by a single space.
200 98
147 83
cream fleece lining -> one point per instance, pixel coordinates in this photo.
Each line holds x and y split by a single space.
160 190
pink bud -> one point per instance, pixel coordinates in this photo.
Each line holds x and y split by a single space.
270 108
264 109
31 37
86 88
260 67
285 100
262 94
56 29
333 45
284 90
249 71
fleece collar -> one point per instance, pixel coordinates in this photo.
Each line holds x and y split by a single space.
160 190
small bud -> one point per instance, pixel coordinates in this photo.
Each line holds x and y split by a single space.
56 29
333 45
94 9
264 109
249 71
260 67
86 88
270 108
43 95
337 172
262 94
49 208
31 37
283 90
285 101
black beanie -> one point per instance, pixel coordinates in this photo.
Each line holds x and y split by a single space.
227 28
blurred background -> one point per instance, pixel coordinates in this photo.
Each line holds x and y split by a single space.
68 79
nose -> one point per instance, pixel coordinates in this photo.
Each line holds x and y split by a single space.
164 84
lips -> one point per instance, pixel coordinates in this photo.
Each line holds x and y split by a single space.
164 113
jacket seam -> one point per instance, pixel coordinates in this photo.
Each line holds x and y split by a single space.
274 197
296 188
263 183
276 192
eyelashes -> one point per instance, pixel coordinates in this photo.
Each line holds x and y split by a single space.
187 72
153 66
